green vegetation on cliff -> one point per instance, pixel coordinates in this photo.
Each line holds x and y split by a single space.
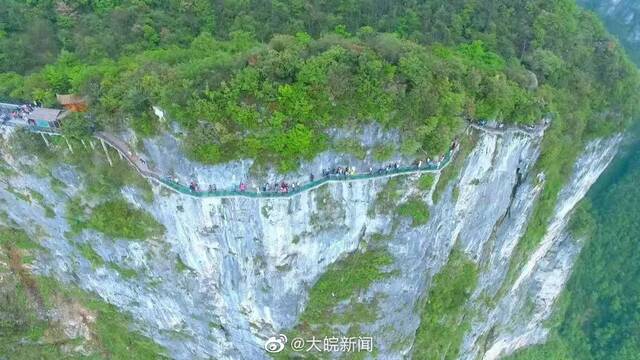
37 314
443 322
336 302
118 218
282 96
341 281
240 90
114 339
416 209
426 182
14 238
115 218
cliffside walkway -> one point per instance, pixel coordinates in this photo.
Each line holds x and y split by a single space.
144 170
123 149
142 167
433 167
531 131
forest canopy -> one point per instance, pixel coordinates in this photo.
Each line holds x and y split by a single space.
265 79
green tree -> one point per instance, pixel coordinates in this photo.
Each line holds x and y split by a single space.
77 125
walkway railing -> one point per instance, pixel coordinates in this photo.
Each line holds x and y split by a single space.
43 129
144 170
433 167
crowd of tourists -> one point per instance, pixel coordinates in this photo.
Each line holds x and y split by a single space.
20 112
339 172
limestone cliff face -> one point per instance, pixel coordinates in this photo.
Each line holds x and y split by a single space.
250 262
517 318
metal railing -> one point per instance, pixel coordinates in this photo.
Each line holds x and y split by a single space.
430 167
183 189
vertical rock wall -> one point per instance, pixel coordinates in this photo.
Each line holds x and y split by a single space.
231 272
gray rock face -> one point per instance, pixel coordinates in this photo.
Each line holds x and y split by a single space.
517 318
229 175
249 263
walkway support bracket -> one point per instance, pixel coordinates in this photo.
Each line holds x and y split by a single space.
68 144
45 139
104 147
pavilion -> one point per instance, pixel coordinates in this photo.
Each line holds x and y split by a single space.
46 117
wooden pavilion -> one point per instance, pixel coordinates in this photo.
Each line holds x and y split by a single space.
72 102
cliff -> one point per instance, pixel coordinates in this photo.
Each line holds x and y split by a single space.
228 273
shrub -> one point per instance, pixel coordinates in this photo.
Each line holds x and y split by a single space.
118 218
442 323
416 209
342 280
426 182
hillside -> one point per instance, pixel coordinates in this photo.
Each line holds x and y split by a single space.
403 172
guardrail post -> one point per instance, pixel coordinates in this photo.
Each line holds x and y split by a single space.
45 139
106 152
68 145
